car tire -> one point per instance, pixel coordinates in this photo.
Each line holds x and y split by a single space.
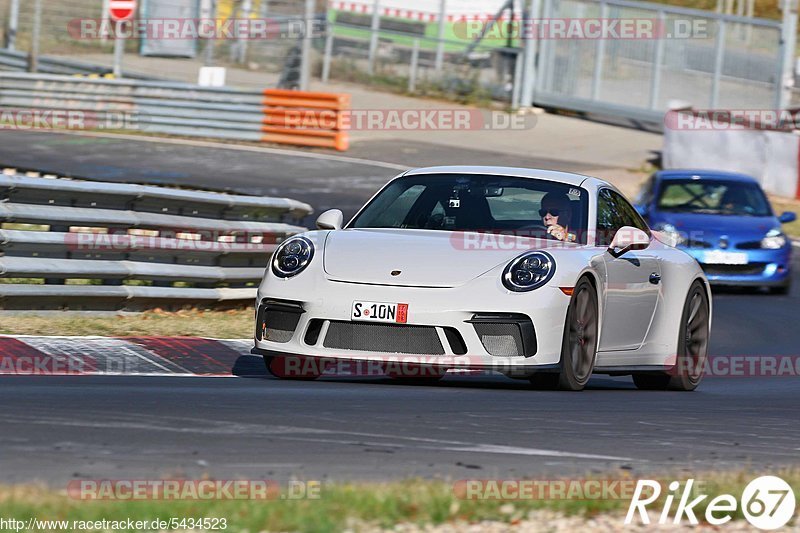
781 290
581 333
692 347
292 367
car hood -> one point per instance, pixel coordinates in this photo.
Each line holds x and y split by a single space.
424 258
712 227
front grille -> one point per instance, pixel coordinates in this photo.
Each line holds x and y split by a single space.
503 340
752 245
693 243
383 338
277 321
752 269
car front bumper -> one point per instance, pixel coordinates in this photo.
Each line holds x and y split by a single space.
324 328
764 268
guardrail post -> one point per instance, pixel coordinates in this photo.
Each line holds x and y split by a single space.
544 68
241 44
440 36
600 52
211 43
33 58
305 61
719 56
516 88
412 74
531 48
104 18
119 48
788 42
655 82
326 61
13 25
373 37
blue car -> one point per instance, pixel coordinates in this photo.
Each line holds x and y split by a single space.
723 220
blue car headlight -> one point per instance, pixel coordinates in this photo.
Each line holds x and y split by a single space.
671 235
773 240
292 257
529 271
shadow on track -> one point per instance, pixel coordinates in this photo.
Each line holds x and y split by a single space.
252 366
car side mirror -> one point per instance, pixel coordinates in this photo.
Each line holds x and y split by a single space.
787 217
330 219
627 239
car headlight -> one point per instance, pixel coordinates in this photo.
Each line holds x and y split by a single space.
292 257
773 240
671 235
529 271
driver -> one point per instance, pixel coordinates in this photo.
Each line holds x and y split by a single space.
556 213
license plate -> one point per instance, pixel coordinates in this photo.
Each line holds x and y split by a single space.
380 312
718 257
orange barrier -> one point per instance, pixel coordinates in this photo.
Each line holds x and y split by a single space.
305 118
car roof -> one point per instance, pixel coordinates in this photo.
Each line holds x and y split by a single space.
710 175
569 178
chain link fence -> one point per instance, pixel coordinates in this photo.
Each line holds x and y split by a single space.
79 29
408 63
723 61
733 62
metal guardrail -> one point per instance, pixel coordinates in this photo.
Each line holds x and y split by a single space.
174 108
159 107
107 246
13 60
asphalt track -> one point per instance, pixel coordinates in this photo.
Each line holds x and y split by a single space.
323 180
59 428
55 429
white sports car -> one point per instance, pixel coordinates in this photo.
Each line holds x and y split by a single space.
540 275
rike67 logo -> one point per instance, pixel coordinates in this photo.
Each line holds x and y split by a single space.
767 502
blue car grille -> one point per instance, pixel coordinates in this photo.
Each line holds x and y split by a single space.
752 245
751 269
693 243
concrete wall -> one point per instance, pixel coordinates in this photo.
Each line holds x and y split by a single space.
769 156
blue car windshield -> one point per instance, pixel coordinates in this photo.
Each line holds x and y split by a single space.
714 198
477 202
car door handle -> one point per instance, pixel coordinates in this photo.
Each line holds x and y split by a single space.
655 278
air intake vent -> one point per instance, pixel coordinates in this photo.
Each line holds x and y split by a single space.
505 335
278 320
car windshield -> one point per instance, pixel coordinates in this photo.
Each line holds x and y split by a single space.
476 202
714 197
